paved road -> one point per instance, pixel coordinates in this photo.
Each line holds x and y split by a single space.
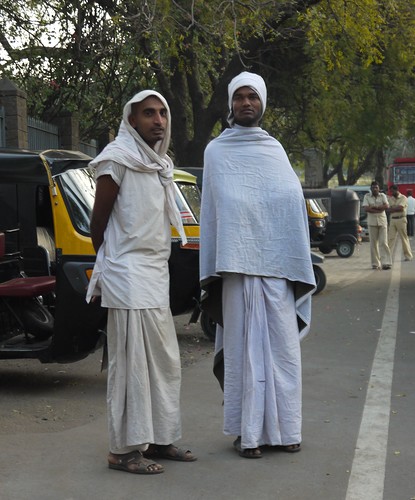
358 399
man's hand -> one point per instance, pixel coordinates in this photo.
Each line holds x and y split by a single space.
105 196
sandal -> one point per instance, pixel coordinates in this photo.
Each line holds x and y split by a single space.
246 452
291 448
135 463
169 452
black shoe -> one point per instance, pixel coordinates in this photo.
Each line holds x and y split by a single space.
385 268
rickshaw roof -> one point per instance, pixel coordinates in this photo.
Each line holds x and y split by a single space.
20 165
181 175
344 203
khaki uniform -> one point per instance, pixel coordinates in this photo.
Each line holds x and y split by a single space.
398 224
377 224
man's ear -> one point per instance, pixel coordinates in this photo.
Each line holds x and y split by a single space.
131 121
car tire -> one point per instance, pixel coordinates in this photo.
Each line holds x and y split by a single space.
345 249
320 277
208 326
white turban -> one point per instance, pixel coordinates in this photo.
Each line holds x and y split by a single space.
162 146
246 79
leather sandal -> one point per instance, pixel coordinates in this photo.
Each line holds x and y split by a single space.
134 462
169 452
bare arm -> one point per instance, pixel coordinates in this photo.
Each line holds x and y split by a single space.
376 210
396 208
105 196
372 209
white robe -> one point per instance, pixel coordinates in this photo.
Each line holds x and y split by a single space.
253 215
132 265
254 233
131 275
144 377
262 386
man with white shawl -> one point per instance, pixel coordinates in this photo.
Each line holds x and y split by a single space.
255 243
130 229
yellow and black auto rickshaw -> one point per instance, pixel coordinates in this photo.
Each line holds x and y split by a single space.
47 257
341 230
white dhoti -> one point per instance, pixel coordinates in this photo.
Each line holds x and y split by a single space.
144 376
262 358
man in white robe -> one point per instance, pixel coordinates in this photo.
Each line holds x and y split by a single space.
130 229
255 240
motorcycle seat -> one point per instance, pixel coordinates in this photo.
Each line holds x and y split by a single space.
28 287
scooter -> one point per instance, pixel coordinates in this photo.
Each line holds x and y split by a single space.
24 305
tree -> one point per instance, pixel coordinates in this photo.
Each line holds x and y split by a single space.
104 52
366 84
329 65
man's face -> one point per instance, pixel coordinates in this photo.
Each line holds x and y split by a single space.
375 189
149 119
394 192
246 107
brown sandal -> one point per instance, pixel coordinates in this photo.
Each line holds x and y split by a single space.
291 448
246 452
134 462
169 452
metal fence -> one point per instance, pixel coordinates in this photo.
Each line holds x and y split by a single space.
2 128
89 148
42 135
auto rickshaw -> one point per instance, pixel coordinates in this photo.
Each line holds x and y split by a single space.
342 231
317 218
47 257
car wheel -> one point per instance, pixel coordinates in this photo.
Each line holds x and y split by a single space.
321 279
345 249
208 326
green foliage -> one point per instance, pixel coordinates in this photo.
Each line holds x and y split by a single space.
339 73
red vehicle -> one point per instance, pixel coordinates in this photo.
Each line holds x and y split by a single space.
402 173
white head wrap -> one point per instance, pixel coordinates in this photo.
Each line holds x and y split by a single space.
130 149
162 146
246 79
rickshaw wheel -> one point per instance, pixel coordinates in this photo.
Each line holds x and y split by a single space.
208 326
324 249
321 279
345 249
36 319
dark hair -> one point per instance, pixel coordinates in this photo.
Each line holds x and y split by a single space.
394 186
374 183
409 192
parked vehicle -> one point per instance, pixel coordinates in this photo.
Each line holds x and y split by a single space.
360 190
319 274
342 231
47 257
317 218
402 173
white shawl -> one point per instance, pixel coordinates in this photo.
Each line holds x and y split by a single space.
253 215
130 150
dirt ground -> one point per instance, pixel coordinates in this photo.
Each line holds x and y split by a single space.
47 398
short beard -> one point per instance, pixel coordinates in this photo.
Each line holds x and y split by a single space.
247 122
